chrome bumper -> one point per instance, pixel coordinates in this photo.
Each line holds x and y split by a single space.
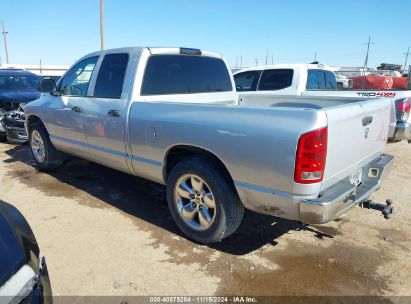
338 199
402 131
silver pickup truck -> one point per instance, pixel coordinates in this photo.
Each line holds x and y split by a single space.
172 115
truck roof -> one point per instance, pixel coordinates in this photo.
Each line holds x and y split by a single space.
299 66
15 72
159 50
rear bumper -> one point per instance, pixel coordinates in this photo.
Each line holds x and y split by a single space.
402 131
338 199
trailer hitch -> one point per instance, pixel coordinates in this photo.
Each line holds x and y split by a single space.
386 209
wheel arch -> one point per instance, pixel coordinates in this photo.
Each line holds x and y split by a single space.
177 153
32 118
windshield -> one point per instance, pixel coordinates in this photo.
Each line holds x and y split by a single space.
18 82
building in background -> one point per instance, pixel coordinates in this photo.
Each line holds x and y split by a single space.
51 70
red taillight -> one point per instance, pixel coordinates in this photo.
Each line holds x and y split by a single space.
403 109
310 157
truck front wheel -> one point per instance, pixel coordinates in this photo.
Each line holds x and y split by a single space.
203 201
44 153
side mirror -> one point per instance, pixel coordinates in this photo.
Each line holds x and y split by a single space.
47 85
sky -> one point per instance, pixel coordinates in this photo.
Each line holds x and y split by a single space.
286 31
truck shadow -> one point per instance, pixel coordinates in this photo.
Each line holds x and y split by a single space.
142 199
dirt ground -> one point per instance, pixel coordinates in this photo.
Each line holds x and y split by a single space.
108 233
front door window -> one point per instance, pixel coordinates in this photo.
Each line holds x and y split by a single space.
77 80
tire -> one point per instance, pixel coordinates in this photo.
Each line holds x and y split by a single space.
3 137
218 191
52 158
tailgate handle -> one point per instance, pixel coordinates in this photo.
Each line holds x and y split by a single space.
367 121
114 113
76 109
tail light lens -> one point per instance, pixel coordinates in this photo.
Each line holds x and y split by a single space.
310 157
403 109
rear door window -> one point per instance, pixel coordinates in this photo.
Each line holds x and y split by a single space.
181 74
316 80
330 81
110 78
278 79
247 81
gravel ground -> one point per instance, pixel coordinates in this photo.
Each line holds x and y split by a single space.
108 233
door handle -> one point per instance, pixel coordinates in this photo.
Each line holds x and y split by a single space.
76 109
114 113
367 120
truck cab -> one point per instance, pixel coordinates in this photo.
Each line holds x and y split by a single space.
285 79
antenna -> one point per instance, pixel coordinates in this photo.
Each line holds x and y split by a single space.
102 24
368 51
406 58
4 33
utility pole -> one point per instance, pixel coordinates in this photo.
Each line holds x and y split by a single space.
236 62
102 24
368 51
5 41
272 59
256 61
266 59
315 57
241 61
406 58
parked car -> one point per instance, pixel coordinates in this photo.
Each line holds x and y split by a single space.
17 88
317 80
172 115
23 274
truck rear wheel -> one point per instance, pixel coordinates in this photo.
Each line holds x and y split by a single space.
203 201
44 153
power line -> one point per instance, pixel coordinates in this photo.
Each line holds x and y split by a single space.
4 33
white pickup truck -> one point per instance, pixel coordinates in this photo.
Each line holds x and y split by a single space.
257 83
172 115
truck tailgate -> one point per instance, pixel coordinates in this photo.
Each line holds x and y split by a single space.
357 133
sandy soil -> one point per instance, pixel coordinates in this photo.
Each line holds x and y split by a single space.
108 233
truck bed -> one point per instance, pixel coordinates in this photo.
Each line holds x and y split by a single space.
297 101
353 140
